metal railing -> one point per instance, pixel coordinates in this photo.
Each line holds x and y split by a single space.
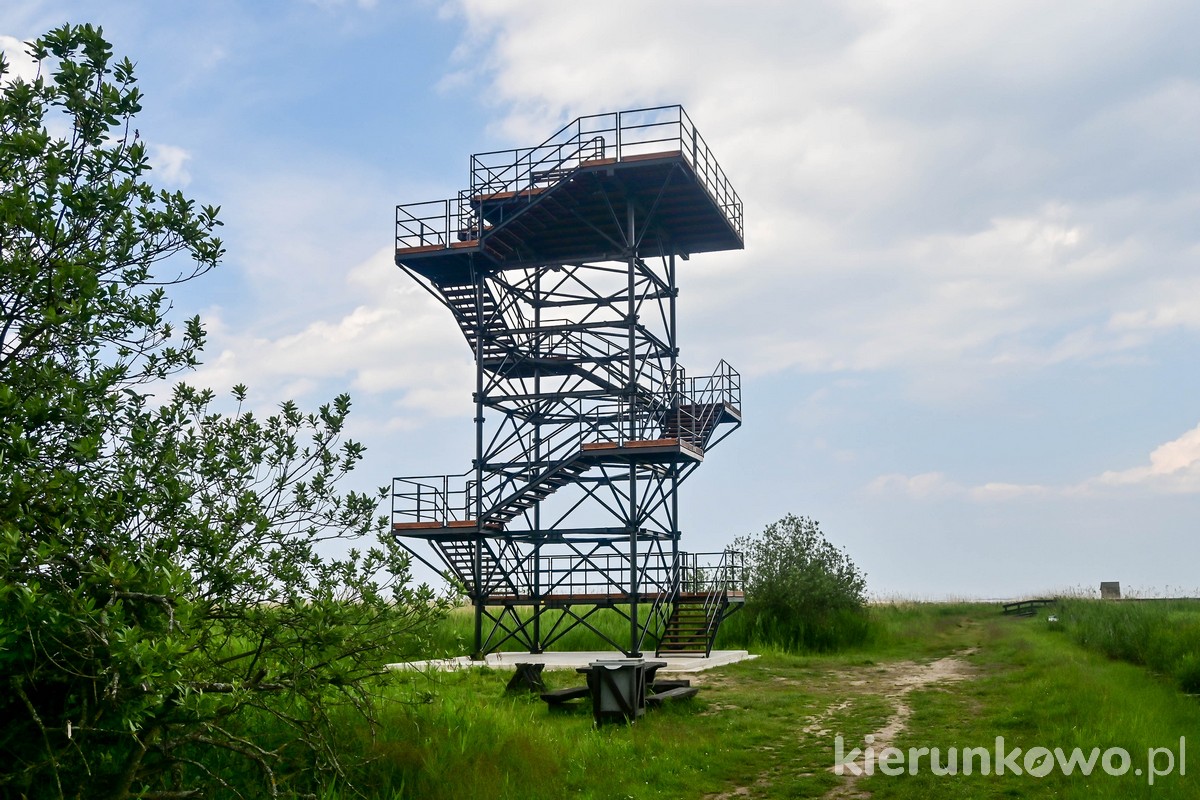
437 223
687 408
431 499
616 137
713 573
702 400
619 136
722 387
607 574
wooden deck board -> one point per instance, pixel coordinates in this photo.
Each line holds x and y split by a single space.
651 156
432 525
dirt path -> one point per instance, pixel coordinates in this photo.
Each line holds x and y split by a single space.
893 682
850 689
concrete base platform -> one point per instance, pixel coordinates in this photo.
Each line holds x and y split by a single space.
574 659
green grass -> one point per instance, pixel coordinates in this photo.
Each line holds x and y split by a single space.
765 728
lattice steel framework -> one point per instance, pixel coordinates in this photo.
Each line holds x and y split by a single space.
559 264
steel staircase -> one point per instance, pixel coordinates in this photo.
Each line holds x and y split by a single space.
707 594
512 223
476 320
693 422
690 630
501 350
459 555
533 492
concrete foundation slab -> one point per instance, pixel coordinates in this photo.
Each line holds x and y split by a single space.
575 659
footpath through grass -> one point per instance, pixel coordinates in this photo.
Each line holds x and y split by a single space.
944 676
1036 687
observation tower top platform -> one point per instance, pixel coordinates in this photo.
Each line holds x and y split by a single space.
568 199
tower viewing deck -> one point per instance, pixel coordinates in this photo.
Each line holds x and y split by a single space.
559 264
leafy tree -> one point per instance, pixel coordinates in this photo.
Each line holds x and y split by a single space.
801 591
166 617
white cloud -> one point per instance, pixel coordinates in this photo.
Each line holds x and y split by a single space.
1172 468
1166 304
396 341
995 491
170 165
925 486
921 193
20 63
327 5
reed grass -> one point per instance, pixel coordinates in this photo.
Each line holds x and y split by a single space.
1163 635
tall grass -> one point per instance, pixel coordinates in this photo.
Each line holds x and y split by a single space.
830 632
455 635
460 735
1163 635
833 632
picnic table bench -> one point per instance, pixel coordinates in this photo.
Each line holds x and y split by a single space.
675 693
1027 608
651 692
560 696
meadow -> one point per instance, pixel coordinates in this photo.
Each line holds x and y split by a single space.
927 676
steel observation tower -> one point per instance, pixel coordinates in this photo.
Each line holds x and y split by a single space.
559 263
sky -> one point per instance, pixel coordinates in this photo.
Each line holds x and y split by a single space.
968 310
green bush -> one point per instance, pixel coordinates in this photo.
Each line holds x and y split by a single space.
801 591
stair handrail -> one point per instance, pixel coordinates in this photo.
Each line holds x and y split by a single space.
620 422
667 599
698 401
561 338
564 165
497 500
544 165
514 170
721 580
721 387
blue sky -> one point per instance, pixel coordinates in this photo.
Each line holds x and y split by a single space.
967 314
